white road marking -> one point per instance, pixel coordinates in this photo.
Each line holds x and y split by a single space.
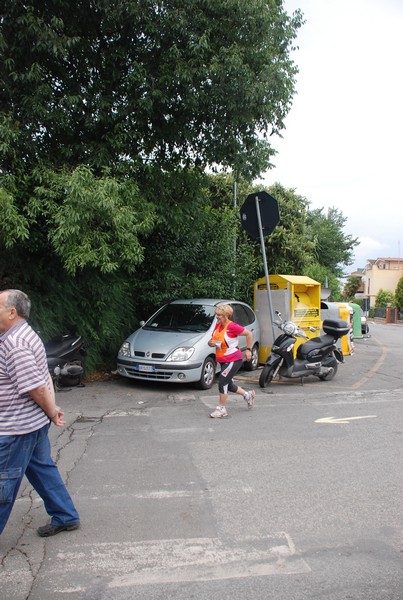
128 564
343 420
133 412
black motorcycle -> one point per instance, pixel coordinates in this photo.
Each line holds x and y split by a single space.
65 355
318 356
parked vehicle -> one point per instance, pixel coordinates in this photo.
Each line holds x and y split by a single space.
172 345
364 324
318 356
331 310
65 355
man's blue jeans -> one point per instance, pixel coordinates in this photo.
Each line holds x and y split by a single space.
29 455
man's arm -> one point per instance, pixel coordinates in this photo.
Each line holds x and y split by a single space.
44 396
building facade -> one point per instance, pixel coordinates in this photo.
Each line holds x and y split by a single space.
381 274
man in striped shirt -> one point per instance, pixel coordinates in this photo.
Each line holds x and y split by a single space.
27 406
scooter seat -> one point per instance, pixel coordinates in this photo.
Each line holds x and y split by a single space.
60 345
314 344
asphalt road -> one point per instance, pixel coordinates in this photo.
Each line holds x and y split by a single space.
300 498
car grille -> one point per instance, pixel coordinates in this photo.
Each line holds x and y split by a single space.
153 355
157 376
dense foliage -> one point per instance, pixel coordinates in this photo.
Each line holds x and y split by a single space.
110 113
352 286
115 120
399 294
132 83
333 248
384 298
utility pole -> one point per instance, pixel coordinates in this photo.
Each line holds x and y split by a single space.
235 235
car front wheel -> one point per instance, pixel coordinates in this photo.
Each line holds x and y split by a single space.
207 374
252 365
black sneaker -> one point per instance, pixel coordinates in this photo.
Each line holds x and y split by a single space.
48 530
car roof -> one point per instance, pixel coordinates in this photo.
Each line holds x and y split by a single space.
209 301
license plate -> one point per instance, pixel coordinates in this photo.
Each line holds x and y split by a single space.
145 368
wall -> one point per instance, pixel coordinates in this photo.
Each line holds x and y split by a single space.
382 274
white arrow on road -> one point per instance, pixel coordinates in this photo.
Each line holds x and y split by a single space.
343 420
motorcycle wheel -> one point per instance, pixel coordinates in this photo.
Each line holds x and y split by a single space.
330 362
266 375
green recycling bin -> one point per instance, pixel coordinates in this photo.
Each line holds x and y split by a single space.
357 330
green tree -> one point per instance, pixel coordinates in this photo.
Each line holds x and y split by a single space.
327 279
110 112
93 222
333 248
288 249
352 286
200 249
383 298
399 294
293 247
129 83
196 249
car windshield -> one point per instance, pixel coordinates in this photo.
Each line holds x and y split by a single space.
182 317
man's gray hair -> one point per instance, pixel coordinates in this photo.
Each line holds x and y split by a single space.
20 301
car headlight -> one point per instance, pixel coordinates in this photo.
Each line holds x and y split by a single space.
180 354
124 349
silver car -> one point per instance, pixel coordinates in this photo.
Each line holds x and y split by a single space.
172 345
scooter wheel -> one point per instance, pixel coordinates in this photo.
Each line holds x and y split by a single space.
266 375
331 362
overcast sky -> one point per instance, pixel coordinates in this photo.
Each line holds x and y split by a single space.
343 141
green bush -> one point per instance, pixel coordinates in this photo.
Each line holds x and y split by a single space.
101 307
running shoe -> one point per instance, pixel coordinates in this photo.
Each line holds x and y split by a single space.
249 398
219 412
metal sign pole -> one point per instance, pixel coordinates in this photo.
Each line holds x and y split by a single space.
235 234
266 272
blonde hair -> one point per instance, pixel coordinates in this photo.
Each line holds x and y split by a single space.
224 309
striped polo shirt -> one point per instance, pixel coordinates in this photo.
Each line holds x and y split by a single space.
23 367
